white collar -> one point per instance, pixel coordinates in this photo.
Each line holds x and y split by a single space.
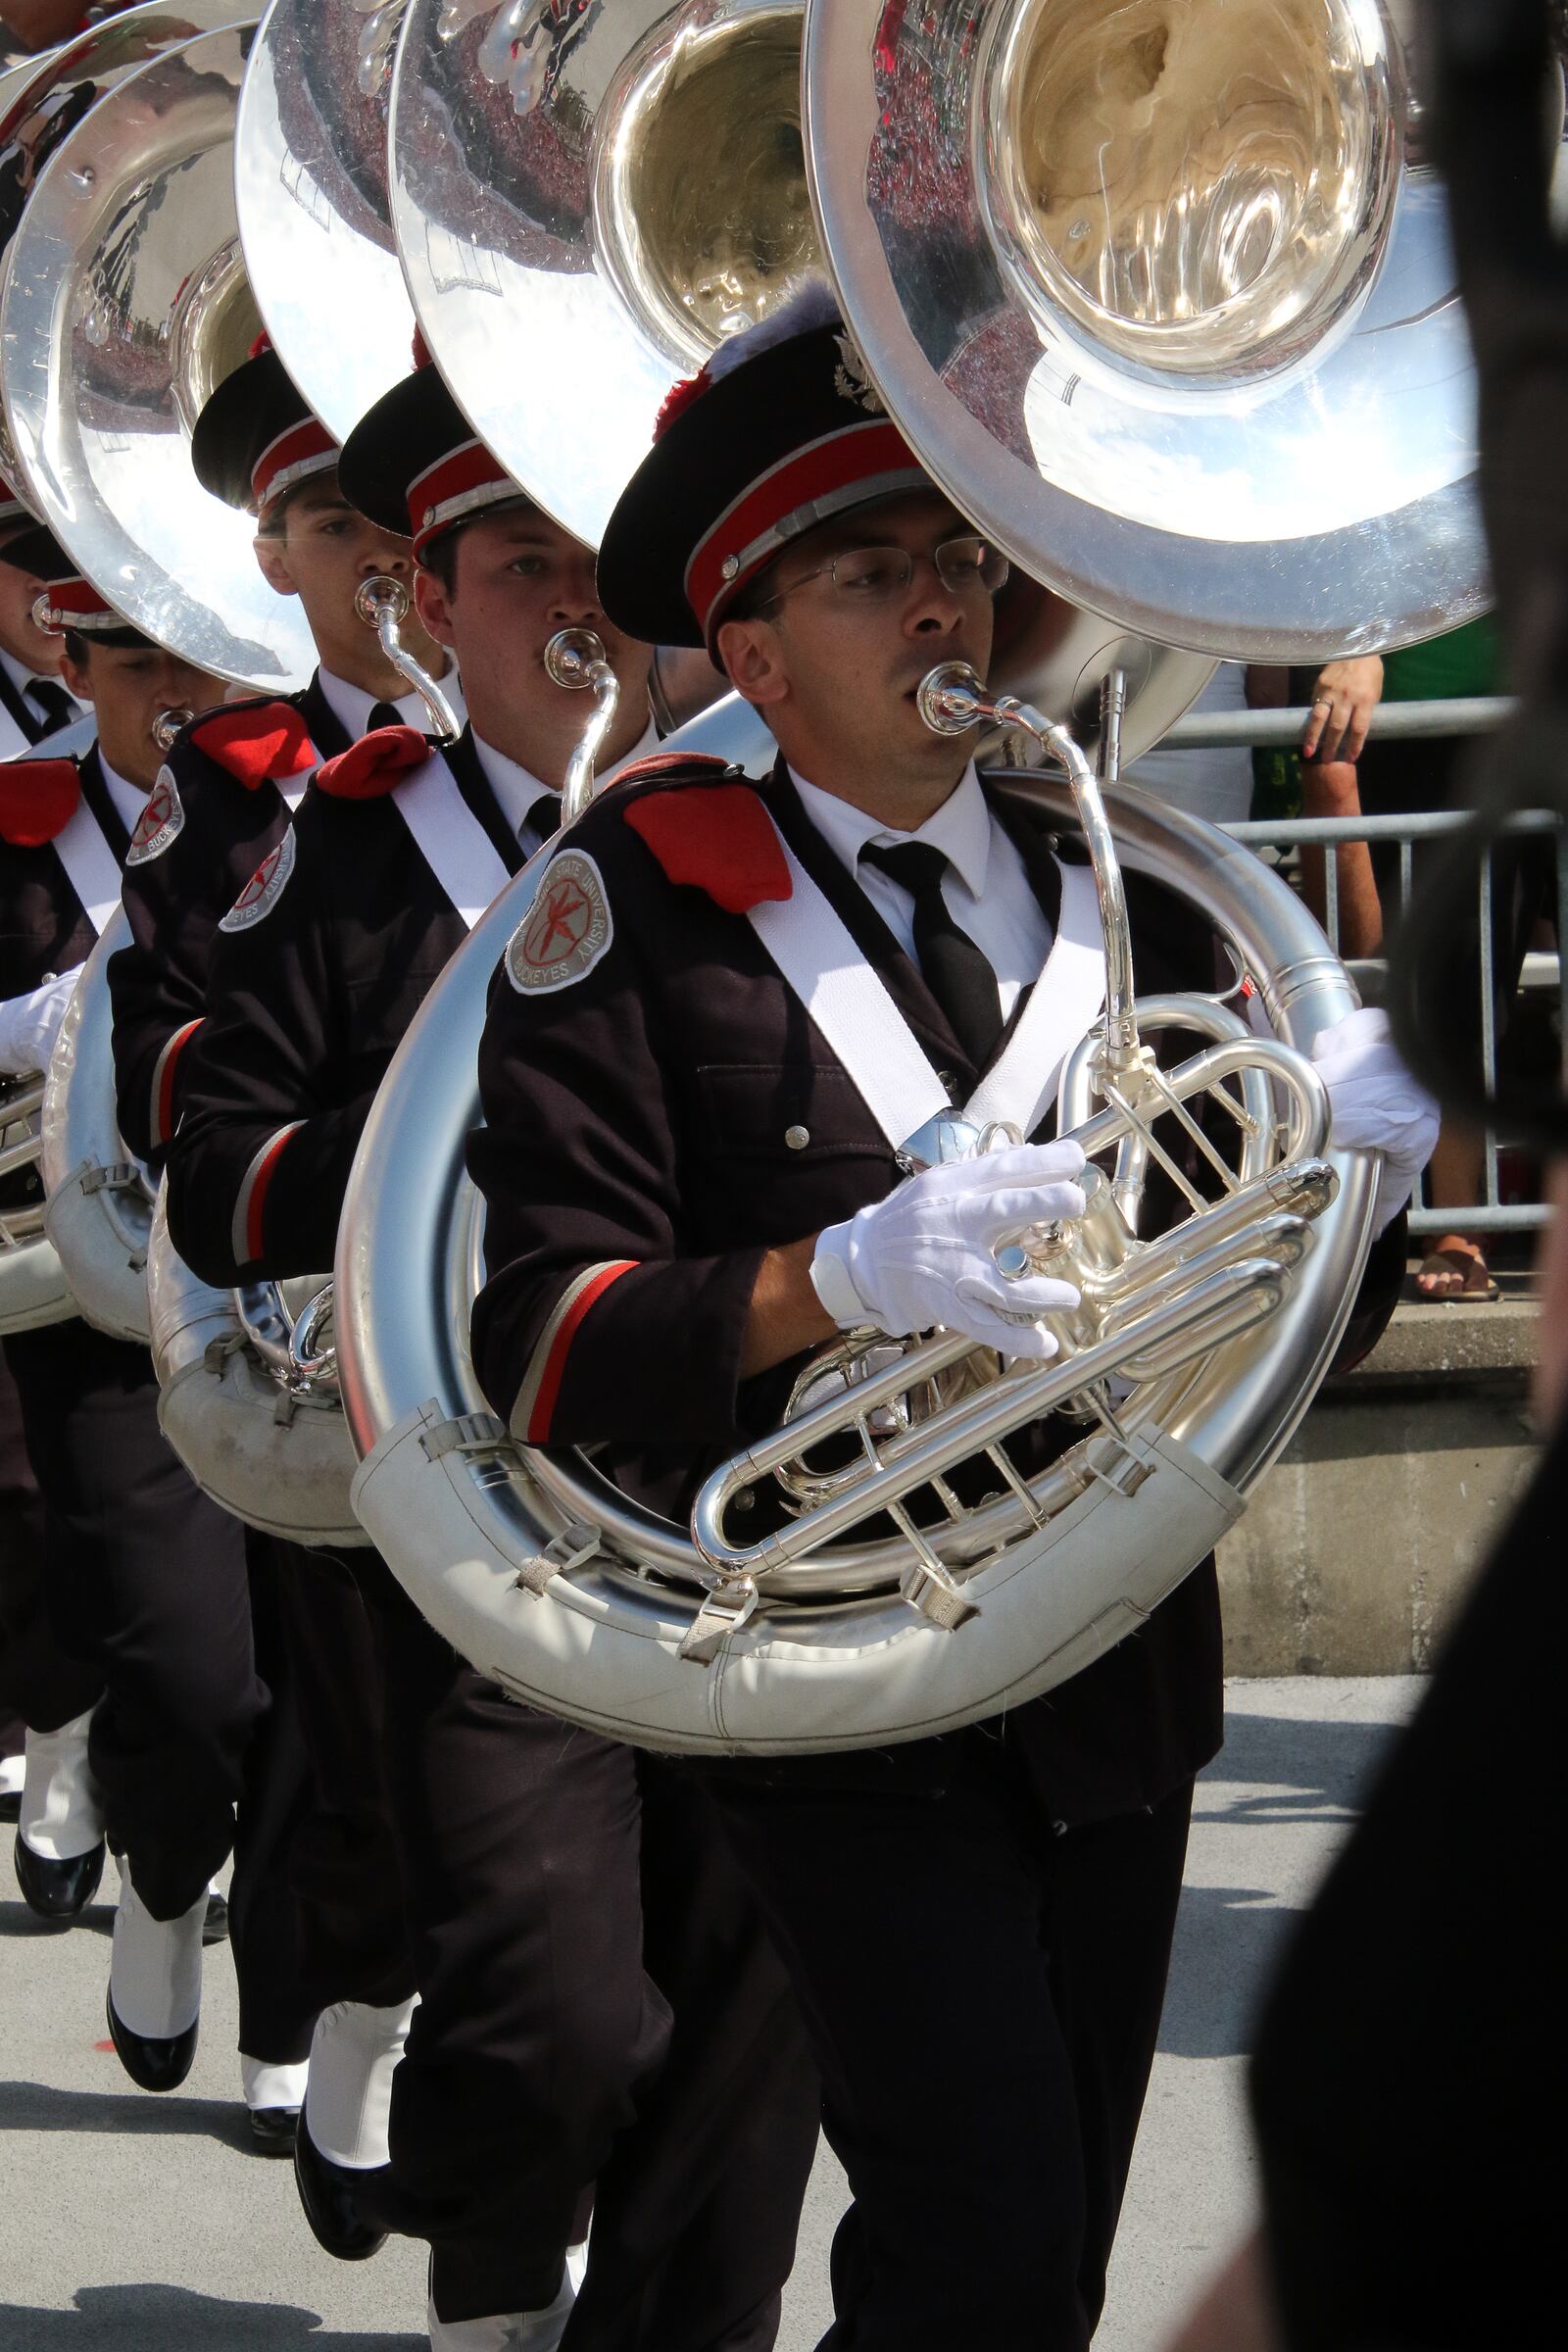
961 828
129 800
21 677
517 789
351 706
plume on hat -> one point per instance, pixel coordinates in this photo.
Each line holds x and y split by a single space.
814 304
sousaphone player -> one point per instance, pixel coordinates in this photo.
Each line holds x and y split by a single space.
687 1193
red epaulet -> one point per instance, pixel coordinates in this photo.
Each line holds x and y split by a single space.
37 800
375 765
256 743
711 832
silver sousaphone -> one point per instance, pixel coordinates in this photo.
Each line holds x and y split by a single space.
586 202
1195 1351
127 305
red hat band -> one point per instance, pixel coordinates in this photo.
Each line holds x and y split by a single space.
12 507
464 482
75 603
306 448
849 469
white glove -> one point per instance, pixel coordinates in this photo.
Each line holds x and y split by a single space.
29 1025
927 1255
1377 1105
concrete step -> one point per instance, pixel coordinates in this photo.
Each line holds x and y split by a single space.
1359 1545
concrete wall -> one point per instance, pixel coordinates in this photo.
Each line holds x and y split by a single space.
1359 1544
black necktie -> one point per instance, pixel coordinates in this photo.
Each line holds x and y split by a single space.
542 818
385 715
55 705
955 971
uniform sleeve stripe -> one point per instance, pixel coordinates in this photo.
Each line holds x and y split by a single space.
532 1413
163 1115
250 1208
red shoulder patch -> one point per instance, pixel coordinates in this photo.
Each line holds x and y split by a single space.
717 837
256 743
375 765
37 800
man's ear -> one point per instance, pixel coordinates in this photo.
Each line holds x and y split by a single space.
74 678
749 656
433 604
273 557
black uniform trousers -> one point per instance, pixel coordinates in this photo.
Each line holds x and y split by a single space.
599 2001
983 1992
40 1687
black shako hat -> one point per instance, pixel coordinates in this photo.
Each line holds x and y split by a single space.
782 430
72 600
255 439
414 463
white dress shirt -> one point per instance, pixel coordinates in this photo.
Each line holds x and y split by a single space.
517 790
130 799
986 887
351 706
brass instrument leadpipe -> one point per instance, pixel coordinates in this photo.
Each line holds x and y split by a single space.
952 701
381 604
576 659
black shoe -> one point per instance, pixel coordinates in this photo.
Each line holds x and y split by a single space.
326 2192
151 2063
272 2129
215 1926
58 1891
9 1804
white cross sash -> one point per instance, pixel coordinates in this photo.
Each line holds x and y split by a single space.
91 867
449 838
818 957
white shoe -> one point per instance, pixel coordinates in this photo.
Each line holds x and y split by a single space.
348 2097
60 1815
155 1977
511 2331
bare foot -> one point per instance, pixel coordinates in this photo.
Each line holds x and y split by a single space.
1456 1269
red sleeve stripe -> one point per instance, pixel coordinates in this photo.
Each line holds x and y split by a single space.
537 1397
250 1208
162 1118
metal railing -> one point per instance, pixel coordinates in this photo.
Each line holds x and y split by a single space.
1542 972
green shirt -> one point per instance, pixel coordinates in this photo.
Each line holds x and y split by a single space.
1460 663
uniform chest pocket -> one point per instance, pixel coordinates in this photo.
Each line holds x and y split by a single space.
785 1113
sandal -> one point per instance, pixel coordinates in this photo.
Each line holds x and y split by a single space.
1463 1273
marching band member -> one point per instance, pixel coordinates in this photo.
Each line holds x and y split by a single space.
33 702
687 1193
542 2057
222 805
145 1579
223 801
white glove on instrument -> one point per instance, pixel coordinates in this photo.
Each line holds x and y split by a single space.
29 1024
1377 1105
927 1255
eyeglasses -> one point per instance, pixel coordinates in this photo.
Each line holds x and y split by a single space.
875 575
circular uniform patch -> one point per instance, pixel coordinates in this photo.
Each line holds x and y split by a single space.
567 929
162 821
265 888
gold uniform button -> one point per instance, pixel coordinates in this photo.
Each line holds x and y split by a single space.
796 1137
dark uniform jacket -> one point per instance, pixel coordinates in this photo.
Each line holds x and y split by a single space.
642 1150
43 926
44 929
214 816
307 1004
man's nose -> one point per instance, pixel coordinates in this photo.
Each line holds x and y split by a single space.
932 608
392 556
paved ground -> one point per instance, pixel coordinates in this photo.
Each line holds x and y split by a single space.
134 2224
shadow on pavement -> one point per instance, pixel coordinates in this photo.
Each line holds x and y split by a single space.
39 2107
134 2318
1325 1767
17 1920
1228 1939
